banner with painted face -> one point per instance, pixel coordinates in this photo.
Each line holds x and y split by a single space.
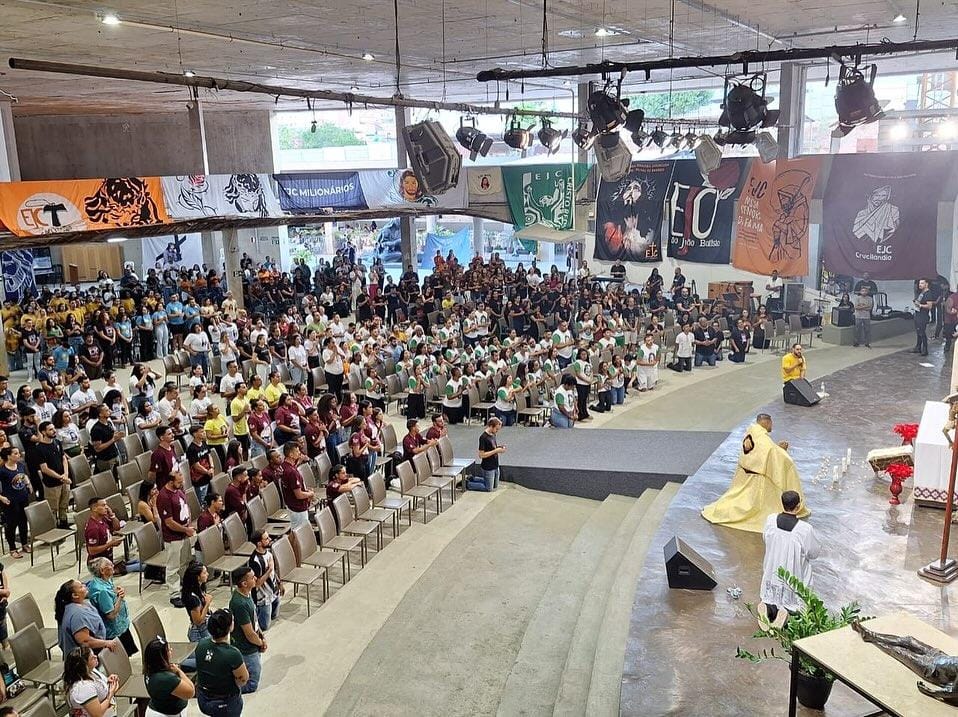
880 213
30 209
628 214
196 196
771 224
543 193
701 210
313 192
19 281
399 187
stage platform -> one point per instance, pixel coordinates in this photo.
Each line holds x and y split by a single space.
565 461
881 329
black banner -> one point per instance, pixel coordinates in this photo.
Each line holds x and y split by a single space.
628 220
701 210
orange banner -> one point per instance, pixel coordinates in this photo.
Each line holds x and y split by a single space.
60 206
771 224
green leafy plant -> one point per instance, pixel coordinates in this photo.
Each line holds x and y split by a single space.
813 619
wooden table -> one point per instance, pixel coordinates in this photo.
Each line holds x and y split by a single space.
874 675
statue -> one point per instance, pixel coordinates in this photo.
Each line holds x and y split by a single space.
952 401
929 662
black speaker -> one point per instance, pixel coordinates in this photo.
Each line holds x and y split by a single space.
800 393
687 569
433 156
843 317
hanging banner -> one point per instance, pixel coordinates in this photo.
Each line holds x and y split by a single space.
60 206
399 187
18 278
771 225
484 182
174 251
880 214
195 196
460 244
628 214
543 193
311 193
701 210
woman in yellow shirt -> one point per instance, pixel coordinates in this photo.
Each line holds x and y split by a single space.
217 431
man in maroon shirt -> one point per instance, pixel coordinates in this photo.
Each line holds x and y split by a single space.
98 534
163 459
414 443
438 428
274 468
177 533
298 497
235 498
211 516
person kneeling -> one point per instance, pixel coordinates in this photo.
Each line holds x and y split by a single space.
564 412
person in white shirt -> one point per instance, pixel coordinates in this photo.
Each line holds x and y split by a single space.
298 360
198 345
564 411
230 380
684 349
564 343
792 544
83 399
333 356
775 286
648 364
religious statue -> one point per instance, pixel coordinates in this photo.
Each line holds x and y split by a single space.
929 662
952 401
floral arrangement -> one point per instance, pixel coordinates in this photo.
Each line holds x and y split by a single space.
900 471
907 431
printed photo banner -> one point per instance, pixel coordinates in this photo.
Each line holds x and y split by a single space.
628 214
196 196
30 209
399 187
19 281
484 182
310 193
701 210
172 251
543 193
771 224
880 214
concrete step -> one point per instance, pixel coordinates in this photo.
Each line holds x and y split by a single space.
573 691
614 632
530 688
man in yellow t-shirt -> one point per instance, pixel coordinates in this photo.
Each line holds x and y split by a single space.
239 412
793 364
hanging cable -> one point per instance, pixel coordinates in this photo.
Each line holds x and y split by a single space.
545 33
398 63
917 19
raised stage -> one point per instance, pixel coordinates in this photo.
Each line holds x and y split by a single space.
564 461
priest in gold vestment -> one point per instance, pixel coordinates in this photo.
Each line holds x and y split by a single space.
764 472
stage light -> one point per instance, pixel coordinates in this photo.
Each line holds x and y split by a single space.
612 156
745 106
708 155
658 138
740 137
608 113
368 56
675 139
720 138
899 131
767 146
855 98
517 136
110 18
583 136
116 240
947 130
472 139
899 18
550 137
691 139
633 123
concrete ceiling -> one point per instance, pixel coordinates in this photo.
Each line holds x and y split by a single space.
444 42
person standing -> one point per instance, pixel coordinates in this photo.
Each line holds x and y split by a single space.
14 497
582 371
863 316
295 493
268 587
949 311
684 348
563 342
791 544
177 533
246 636
110 601
924 302
220 669
104 437
54 473
163 458
775 287
489 452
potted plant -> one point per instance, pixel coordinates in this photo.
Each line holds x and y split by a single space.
814 683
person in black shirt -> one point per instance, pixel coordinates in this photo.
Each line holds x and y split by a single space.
618 270
678 283
30 438
54 472
923 305
706 341
104 438
866 283
489 452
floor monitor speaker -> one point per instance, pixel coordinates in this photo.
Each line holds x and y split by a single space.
800 392
433 156
687 569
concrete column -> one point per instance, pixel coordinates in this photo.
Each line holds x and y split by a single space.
199 156
234 275
406 224
9 172
791 102
582 100
478 224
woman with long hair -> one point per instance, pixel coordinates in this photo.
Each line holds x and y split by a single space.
169 688
79 622
234 455
146 509
89 693
14 497
68 433
142 386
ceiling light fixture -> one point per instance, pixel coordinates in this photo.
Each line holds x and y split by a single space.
517 136
583 136
658 138
189 73
767 146
550 137
116 240
110 18
368 56
633 123
675 139
899 18
608 113
472 139
855 98
708 155
745 108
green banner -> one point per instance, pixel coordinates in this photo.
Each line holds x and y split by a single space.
543 193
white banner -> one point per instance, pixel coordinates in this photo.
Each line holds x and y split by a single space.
195 196
484 181
172 251
398 187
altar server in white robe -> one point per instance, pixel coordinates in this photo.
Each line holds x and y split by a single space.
790 543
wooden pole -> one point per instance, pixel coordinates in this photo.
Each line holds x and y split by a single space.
944 570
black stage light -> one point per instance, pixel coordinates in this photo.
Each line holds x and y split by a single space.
583 136
472 139
658 138
855 98
675 139
550 137
517 136
633 123
745 106
608 113
690 139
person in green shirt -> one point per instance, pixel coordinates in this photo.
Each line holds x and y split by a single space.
220 670
169 688
246 636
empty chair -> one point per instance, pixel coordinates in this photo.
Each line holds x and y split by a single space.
193 503
148 627
287 571
144 460
381 500
438 469
117 663
150 550
133 495
304 541
350 525
80 519
271 502
448 456
219 482
128 474
330 538
236 535
365 511
44 531
322 468
150 441
82 495
79 469
133 445
260 462
122 513
390 442
408 486
477 405
32 702
104 483
309 475
30 657
260 521
24 611
210 543
424 476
